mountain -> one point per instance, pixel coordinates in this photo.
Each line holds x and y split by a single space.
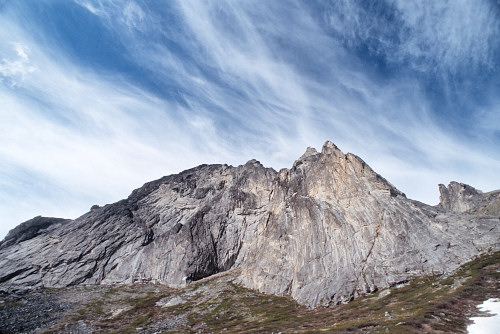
325 231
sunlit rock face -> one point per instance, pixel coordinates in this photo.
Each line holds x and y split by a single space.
336 229
459 197
325 231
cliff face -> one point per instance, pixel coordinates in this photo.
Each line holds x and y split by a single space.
336 229
459 197
325 231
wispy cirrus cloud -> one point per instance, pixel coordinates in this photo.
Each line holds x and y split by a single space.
381 119
15 66
427 35
453 34
84 136
169 85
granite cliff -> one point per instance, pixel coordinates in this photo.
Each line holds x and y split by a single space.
325 231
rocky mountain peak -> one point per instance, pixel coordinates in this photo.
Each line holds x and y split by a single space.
309 155
253 162
331 148
459 197
30 229
310 151
325 231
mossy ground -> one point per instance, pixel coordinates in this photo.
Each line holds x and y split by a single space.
215 305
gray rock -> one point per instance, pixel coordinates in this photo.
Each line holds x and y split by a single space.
170 301
459 197
325 231
30 229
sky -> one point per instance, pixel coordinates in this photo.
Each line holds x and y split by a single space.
98 97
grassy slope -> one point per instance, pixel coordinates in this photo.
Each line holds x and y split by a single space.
431 304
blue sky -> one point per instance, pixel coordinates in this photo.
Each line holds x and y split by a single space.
101 96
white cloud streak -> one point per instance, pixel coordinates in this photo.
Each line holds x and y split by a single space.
426 34
384 123
454 33
13 70
262 81
85 138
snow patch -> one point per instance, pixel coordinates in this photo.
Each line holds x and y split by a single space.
487 324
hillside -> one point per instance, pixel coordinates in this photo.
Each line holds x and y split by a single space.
324 232
433 304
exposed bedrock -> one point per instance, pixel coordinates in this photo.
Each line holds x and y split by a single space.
325 231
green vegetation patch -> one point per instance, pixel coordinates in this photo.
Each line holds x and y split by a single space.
423 305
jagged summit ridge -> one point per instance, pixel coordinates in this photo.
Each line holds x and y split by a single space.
324 231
